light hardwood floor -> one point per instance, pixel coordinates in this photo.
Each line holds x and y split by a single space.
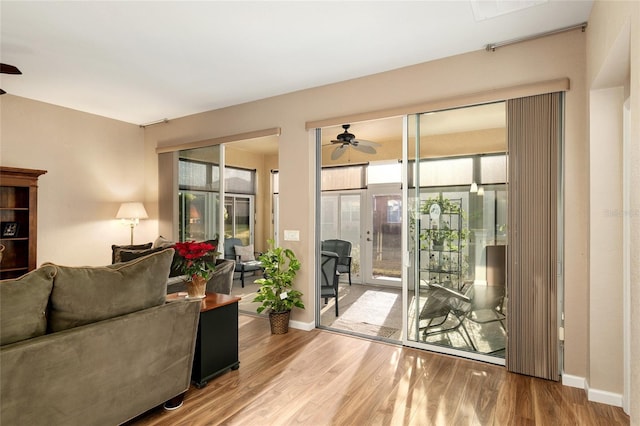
323 378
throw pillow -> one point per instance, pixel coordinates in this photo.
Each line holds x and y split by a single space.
82 295
245 252
129 255
162 242
115 250
23 305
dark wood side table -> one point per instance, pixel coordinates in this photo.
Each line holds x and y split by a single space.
217 341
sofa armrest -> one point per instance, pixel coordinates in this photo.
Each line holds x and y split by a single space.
101 373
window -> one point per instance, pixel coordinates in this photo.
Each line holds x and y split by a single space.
199 195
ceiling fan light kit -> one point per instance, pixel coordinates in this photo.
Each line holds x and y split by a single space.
346 139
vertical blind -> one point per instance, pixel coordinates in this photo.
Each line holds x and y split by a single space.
534 132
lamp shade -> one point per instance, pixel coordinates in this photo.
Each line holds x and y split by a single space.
474 187
132 211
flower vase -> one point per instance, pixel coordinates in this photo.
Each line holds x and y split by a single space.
196 287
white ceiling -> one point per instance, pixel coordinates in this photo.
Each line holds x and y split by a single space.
144 61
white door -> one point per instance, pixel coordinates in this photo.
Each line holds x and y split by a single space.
382 235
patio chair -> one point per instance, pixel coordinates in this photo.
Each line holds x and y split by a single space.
343 249
329 277
244 256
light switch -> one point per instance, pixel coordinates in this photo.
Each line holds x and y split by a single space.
291 235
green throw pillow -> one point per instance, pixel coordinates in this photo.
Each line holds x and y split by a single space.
82 295
23 305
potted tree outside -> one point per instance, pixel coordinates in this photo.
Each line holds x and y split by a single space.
276 292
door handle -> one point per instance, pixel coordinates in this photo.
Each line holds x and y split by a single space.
369 239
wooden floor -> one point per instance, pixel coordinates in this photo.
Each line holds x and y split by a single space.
323 378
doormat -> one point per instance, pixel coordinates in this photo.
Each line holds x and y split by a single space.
364 328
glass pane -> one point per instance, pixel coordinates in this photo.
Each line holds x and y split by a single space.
198 182
387 233
350 229
336 178
198 215
329 218
457 245
229 214
192 174
454 171
493 169
239 181
384 173
242 214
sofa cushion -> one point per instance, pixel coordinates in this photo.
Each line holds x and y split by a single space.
82 295
23 305
116 250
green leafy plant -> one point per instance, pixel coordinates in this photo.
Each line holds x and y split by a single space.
276 291
444 234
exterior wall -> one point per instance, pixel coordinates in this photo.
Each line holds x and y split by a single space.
543 59
93 163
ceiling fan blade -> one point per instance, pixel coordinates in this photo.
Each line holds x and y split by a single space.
365 142
337 153
364 148
9 69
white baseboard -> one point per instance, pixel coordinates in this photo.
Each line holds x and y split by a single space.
573 381
594 395
299 325
604 397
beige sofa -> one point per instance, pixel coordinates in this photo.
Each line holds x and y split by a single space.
93 345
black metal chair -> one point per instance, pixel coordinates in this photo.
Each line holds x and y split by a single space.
329 277
241 266
343 249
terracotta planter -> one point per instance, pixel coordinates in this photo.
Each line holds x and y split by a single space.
279 322
196 288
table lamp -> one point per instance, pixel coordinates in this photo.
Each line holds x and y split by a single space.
131 212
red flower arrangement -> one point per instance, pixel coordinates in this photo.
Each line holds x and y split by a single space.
197 259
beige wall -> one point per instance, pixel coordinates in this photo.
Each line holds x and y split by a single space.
544 59
613 70
93 163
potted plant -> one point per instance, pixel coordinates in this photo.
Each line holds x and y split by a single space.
197 261
276 292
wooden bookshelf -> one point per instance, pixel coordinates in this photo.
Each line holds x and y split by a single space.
19 220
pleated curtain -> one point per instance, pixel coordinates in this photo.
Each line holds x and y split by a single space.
534 133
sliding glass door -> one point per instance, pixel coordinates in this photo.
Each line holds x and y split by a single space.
456 191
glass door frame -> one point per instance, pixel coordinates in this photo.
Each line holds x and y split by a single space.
411 257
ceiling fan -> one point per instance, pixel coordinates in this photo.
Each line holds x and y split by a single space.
8 69
346 139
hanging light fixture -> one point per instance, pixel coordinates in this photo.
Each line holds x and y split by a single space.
481 191
474 187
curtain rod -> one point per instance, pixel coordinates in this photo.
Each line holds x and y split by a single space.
144 126
493 46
